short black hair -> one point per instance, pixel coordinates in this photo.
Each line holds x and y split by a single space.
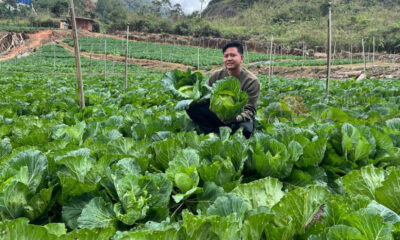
237 45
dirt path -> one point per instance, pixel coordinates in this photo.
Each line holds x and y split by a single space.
379 70
34 41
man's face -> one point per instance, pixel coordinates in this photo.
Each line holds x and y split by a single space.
232 58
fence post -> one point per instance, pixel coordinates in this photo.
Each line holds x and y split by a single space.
54 57
328 75
77 55
90 58
363 54
198 59
373 51
126 57
270 59
105 62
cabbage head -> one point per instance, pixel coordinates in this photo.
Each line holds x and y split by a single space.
227 100
183 85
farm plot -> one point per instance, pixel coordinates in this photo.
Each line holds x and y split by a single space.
131 166
165 52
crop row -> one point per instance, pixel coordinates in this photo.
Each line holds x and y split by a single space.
165 52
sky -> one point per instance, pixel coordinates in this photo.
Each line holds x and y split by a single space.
189 6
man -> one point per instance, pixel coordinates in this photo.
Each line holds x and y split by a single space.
207 120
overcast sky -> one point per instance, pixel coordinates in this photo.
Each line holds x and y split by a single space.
189 6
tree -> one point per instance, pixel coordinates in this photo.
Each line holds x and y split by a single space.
105 7
118 18
201 6
176 11
11 3
59 7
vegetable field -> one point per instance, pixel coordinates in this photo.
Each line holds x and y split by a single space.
132 165
166 52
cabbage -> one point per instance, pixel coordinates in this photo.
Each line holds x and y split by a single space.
184 85
227 100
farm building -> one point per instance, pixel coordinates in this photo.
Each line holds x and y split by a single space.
82 23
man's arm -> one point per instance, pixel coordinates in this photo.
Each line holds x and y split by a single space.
213 78
250 109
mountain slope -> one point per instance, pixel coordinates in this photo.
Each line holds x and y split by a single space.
294 22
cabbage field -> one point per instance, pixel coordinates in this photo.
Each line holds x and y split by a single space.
188 55
132 165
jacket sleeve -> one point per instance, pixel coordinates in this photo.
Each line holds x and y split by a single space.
250 109
212 79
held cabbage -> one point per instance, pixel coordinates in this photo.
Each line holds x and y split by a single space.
227 100
184 85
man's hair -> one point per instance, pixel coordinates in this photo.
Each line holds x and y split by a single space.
237 45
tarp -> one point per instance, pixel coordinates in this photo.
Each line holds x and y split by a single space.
27 2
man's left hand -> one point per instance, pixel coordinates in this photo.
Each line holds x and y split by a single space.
237 119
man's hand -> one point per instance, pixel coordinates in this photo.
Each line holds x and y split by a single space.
238 118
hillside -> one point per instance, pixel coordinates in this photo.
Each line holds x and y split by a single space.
293 22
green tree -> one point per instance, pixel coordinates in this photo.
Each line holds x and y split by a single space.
118 18
59 7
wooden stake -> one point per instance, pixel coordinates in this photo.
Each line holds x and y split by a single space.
334 54
126 58
113 62
373 51
90 58
273 58
363 54
270 59
54 57
198 59
105 62
302 59
77 56
351 54
328 75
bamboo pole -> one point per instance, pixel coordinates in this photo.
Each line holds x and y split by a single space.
54 57
373 51
198 59
302 59
270 58
328 75
90 58
363 54
273 58
334 54
126 58
351 54
105 63
113 62
77 56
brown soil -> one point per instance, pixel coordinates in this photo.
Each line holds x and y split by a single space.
379 70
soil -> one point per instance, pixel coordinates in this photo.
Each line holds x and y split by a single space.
386 66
